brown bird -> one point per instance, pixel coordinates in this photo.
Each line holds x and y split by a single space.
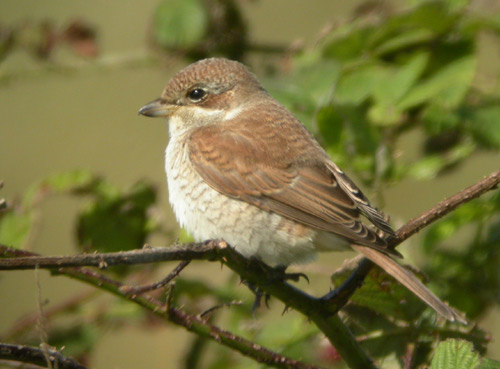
243 168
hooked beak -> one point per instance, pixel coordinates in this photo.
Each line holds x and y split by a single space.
156 108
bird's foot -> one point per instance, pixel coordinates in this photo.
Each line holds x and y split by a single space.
280 270
259 294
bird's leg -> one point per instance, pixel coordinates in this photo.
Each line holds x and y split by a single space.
342 293
259 294
278 274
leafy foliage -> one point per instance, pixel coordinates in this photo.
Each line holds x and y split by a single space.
456 354
113 221
383 305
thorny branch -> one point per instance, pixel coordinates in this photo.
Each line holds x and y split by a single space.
37 356
319 310
194 323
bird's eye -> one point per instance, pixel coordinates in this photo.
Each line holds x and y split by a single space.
197 94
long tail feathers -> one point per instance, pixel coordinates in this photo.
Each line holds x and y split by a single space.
410 281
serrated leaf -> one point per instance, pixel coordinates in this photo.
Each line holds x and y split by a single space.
447 86
180 23
455 354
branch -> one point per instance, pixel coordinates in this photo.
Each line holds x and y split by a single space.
36 355
193 323
446 206
318 310
191 251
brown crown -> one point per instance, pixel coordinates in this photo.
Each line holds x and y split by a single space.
214 72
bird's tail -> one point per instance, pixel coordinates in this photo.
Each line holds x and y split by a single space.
410 281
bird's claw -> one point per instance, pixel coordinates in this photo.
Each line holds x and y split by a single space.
295 277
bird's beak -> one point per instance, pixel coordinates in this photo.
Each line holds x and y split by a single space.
156 108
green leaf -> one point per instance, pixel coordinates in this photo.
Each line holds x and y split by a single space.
383 295
348 42
384 115
118 223
331 130
447 86
484 124
398 81
455 354
428 167
15 228
74 180
309 86
490 364
434 16
431 165
356 86
405 39
438 119
315 81
180 23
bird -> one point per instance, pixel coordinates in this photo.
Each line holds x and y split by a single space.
242 168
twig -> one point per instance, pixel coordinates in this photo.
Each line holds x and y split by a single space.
42 322
35 355
130 290
219 306
446 206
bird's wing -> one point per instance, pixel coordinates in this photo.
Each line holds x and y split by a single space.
247 160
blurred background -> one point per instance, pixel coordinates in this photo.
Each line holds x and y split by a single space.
74 74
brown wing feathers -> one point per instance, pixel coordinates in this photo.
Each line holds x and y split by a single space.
306 190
